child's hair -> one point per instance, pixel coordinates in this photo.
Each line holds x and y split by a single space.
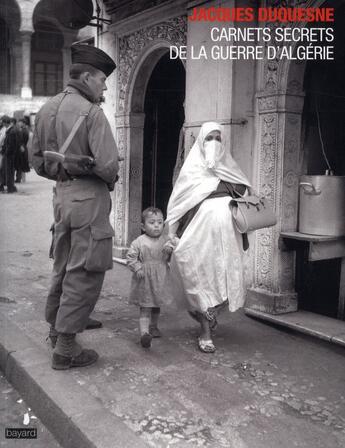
147 211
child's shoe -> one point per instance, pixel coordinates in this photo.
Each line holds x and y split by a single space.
145 340
155 332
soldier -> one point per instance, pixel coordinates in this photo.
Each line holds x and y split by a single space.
82 203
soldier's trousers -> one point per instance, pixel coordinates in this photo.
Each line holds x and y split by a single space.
82 252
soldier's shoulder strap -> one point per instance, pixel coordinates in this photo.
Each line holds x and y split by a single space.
74 129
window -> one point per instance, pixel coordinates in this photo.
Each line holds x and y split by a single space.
46 59
47 78
5 60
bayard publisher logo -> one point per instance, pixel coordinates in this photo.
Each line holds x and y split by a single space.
21 433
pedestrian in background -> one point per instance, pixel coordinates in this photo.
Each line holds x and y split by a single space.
22 159
9 150
148 258
2 139
82 203
29 143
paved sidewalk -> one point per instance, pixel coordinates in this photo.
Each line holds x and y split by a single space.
263 388
15 413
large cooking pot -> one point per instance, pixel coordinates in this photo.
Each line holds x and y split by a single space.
322 205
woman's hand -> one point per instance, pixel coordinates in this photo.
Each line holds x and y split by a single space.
252 192
172 242
169 246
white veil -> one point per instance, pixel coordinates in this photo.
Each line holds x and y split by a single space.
195 181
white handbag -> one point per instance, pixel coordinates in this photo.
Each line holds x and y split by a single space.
251 213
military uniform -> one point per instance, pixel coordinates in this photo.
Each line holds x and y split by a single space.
83 234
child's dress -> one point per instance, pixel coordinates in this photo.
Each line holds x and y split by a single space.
147 253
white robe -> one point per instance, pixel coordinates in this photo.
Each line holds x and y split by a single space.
209 258
209 254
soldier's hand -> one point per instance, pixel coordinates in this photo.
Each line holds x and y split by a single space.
140 274
86 162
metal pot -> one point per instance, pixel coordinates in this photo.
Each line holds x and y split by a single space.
322 205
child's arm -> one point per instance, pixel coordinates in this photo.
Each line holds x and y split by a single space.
133 259
170 244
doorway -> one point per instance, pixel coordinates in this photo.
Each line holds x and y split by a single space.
164 117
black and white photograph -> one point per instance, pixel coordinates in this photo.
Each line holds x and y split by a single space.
172 223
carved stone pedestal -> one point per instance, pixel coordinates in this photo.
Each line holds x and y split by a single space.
120 252
270 302
278 167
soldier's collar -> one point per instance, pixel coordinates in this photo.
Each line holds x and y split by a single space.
82 88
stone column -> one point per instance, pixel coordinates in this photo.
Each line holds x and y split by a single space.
26 91
66 63
16 68
69 37
278 168
128 190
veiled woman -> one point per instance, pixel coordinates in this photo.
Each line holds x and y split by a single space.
209 253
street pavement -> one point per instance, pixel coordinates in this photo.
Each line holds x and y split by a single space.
263 388
15 413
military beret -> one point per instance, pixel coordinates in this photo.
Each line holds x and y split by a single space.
87 54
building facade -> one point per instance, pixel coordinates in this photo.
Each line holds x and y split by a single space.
272 112
268 111
34 54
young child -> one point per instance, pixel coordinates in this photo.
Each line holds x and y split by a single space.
148 258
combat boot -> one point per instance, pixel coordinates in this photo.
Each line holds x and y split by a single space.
85 358
68 353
